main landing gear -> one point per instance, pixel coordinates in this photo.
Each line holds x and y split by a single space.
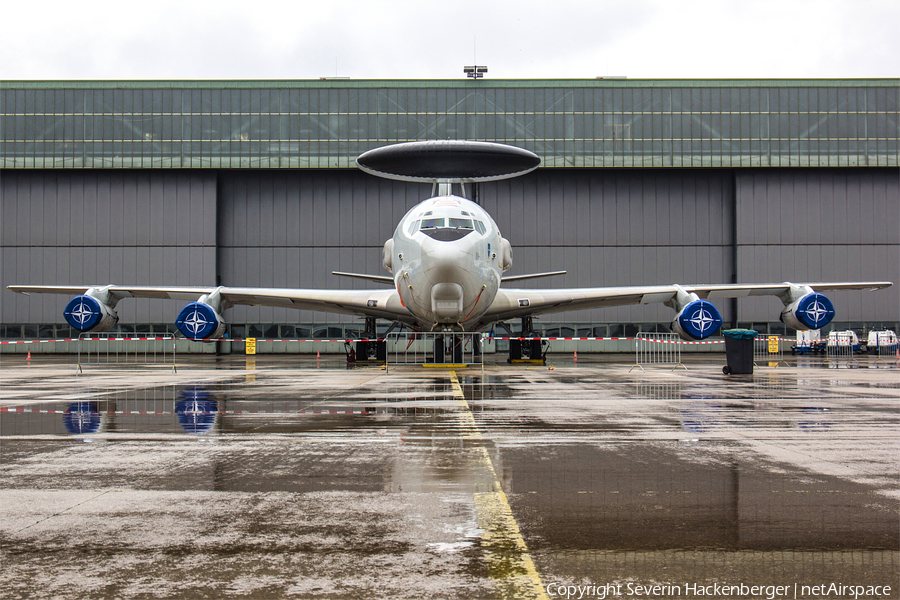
527 350
368 349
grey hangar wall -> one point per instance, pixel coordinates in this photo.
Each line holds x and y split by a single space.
292 227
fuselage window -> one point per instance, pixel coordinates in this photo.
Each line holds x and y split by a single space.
461 223
432 223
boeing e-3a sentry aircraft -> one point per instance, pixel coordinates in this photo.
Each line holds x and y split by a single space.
447 260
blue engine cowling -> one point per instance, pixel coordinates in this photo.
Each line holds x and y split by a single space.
86 313
812 311
199 321
697 321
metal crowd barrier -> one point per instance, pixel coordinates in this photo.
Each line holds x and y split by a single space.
410 348
767 349
657 349
840 349
107 349
886 346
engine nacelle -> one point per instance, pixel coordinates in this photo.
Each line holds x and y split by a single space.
387 256
87 314
812 311
506 258
199 321
697 321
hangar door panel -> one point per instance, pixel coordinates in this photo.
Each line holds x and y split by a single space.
820 225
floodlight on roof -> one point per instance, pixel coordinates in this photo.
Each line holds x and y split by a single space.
475 71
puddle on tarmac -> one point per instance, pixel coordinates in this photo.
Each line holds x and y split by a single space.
199 409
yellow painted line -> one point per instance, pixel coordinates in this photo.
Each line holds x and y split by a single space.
444 365
458 393
509 563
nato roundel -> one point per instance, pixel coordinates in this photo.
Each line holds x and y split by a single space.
81 418
83 313
450 160
197 321
196 412
815 310
700 319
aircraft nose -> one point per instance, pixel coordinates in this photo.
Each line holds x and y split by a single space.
444 261
447 266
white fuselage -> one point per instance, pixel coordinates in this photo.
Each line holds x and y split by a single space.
446 259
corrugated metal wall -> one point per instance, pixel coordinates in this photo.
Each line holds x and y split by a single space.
617 227
99 227
292 228
817 225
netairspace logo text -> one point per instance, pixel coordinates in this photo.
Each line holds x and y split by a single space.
794 591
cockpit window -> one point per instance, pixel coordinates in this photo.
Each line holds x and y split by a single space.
432 223
479 227
461 223
413 227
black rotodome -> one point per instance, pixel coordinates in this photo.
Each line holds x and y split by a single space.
448 160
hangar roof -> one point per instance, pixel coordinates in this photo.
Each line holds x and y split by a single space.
327 123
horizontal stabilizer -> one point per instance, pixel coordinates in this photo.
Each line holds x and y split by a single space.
375 278
532 276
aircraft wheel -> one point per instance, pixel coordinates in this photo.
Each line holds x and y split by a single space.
726 370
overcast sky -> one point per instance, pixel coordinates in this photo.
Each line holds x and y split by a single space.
424 39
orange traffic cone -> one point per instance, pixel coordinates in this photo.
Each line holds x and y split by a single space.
576 355
317 354
29 355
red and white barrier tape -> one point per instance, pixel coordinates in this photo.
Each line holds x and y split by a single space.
143 339
552 339
197 412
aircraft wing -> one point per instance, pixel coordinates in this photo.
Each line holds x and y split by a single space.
382 304
513 303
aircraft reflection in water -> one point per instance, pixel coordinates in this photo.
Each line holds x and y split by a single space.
82 418
196 411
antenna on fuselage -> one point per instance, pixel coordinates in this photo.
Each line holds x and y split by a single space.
444 187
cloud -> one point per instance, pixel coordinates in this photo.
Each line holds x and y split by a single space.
413 39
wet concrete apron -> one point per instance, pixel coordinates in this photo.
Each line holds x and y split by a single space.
283 480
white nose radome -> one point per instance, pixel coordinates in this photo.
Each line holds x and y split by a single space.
447 302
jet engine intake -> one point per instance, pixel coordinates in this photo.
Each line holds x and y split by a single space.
200 321
506 257
812 311
88 314
697 321
387 256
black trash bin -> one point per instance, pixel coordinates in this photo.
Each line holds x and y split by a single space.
739 351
